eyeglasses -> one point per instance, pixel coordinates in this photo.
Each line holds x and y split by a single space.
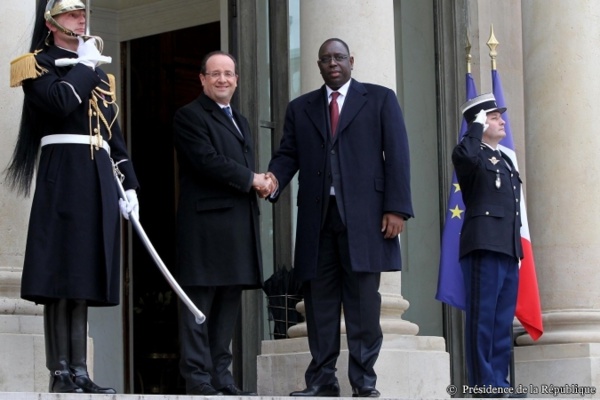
217 74
336 57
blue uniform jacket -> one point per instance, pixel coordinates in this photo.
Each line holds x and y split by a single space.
491 190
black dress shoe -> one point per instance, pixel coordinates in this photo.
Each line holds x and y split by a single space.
232 390
205 389
365 391
331 390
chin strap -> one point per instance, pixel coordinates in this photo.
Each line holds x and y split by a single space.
48 17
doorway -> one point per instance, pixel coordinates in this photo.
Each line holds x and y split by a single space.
163 77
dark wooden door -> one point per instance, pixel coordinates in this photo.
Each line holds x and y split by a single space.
163 76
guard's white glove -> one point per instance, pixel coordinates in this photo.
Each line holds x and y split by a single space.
89 55
481 118
132 205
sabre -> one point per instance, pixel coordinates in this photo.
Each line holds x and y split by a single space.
88 7
199 316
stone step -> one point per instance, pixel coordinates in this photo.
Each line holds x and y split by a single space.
85 396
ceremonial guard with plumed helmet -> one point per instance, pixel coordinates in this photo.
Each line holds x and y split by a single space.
70 139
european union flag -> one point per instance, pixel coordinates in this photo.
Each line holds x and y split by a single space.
451 288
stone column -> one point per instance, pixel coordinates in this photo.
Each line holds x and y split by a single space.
561 75
408 365
22 365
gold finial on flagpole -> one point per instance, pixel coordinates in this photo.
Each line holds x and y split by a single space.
492 44
468 57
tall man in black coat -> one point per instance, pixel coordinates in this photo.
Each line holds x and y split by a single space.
218 246
353 199
490 243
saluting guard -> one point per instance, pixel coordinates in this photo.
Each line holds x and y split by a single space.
69 135
490 242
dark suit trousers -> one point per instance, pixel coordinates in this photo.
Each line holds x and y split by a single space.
336 286
205 349
491 282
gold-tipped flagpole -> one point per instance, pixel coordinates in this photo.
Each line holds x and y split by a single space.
469 57
492 44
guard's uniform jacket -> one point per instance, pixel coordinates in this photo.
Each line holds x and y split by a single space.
73 242
491 190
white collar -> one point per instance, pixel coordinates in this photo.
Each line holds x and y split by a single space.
342 90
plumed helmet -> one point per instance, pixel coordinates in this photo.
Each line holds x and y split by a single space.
57 7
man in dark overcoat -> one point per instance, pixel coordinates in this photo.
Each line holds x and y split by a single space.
353 198
218 246
490 244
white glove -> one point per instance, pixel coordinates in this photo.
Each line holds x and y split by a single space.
481 118
89 55
132 205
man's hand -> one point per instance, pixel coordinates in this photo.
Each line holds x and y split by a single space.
391 225
481 118
272 177
264 184
132 205
88 54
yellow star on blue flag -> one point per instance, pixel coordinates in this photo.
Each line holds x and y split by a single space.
451 286
456 212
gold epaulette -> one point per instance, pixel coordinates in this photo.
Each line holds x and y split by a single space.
25 67
112 83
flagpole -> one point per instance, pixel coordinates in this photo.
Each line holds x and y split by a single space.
492 43
528 310
469 57
451 289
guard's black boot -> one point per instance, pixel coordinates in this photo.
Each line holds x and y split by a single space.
61 382
82 379
56 335
78 363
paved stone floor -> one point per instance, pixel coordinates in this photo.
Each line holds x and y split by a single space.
74 396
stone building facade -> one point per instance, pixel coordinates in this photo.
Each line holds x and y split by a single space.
548 60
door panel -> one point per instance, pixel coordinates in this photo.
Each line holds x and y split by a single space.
163 77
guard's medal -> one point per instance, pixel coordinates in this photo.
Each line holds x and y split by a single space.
495 161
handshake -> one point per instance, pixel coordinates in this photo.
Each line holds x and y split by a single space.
265 184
